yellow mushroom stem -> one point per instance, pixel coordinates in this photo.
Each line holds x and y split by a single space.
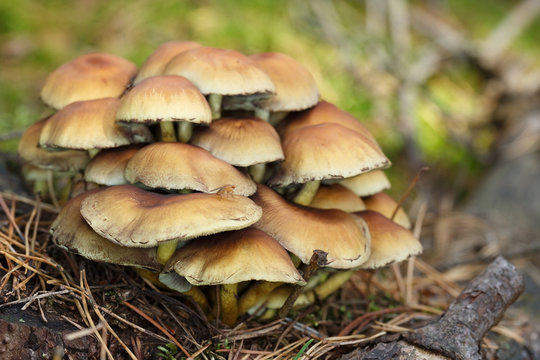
41 187
307 193
167 131
229 303
166 250
185 130
198 296
262 114
93 152
255 294
277 116
323 290
257 172
215 105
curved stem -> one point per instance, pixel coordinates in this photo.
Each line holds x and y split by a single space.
307 193
165 251
167 131
255 294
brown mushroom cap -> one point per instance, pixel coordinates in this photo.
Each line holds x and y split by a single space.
301 230
220 71
241 141
87 77
90 125
107 167
323 112
384 204
69 160
335 196
390 242
233 257
326 151
164 98
134 217
295 86
70 231
156 62
179 166
367 183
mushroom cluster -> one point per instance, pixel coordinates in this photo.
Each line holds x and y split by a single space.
215 174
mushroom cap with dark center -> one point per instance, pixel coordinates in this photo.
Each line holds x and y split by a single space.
326 151
155 64
385 205
220 71
69 160
107 167
335 196
232 257
367 183
133 217
70 231
295 86
240 141
164 98
168 165
87 77
390 242
301 230
88 125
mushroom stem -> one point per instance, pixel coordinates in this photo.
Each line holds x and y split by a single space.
263 114
307 193
93 152
276 117
165 251
41 187
215 104
322 291
167 131
185 130
255 294
229 303
198 296
257 172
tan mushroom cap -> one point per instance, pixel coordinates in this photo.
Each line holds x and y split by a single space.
87 77
367 183
390 242
295 86
233 257
156 62
326 151
130 216
69 160
178 166
164 98
70 231
240 141
323 112
301 230
107 167
90 125
335 196
385 205
220 71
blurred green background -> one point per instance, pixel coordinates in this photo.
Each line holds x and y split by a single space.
450 116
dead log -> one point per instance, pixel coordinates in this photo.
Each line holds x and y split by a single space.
458 332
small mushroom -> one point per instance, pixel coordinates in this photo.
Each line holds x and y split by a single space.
87 77
367 183
107 167
335 196
385 205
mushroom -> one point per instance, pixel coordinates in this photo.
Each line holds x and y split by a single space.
367 183
71 232
390 242
164 100
87 77
232 257
295 86
335 196
313 154
133 217
219 72
87 125
107 167
156 62
247 142
181 166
